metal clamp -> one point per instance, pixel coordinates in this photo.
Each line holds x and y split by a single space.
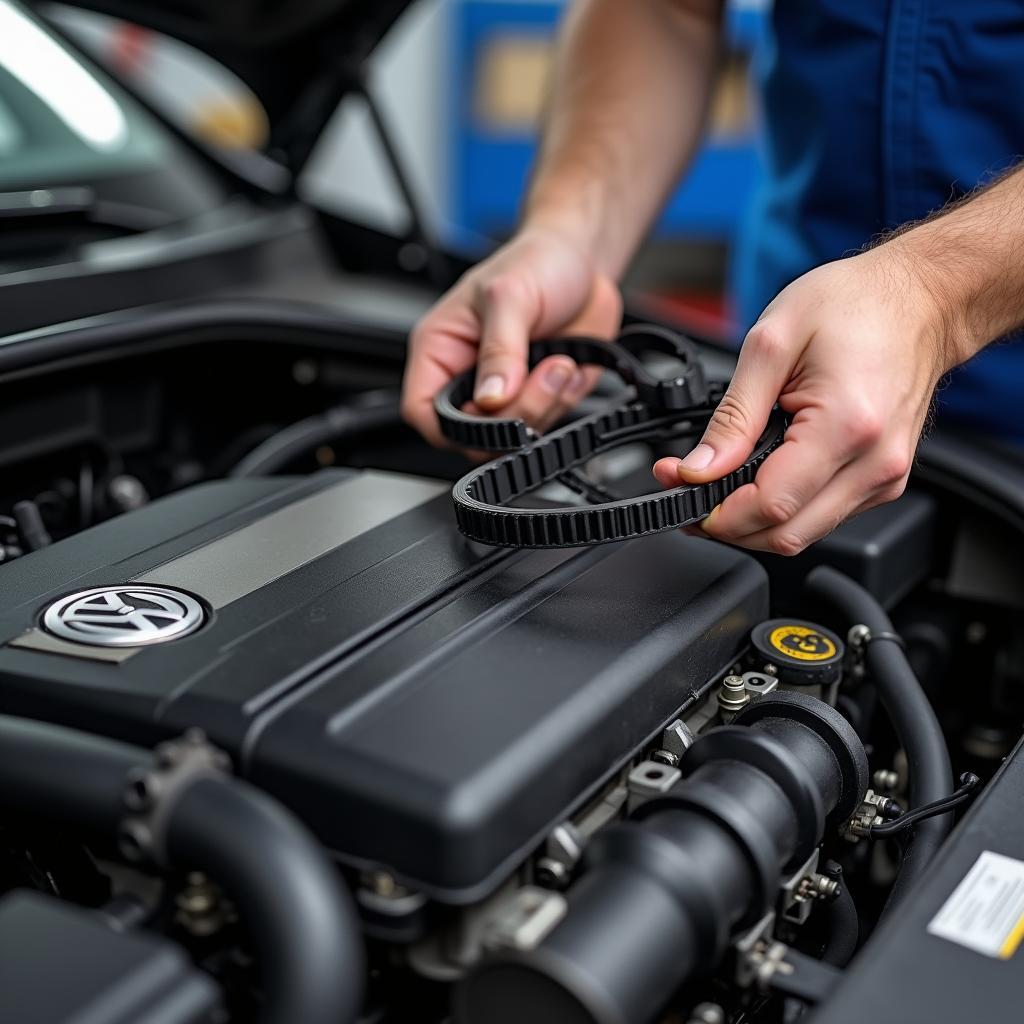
151 792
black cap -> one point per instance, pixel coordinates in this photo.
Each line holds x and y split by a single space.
804 653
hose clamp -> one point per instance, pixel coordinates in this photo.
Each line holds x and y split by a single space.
151 792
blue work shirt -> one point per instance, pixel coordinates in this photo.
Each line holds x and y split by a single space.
876 113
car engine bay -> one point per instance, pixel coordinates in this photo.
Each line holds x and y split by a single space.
278 742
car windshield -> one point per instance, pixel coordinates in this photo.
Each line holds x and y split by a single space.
63 122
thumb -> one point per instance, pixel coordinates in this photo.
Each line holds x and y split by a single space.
507 312
761 373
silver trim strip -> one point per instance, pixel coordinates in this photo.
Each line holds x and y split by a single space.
37 640
239 563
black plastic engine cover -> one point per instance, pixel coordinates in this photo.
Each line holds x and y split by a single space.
424 703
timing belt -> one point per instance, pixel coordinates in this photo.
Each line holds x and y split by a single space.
654 408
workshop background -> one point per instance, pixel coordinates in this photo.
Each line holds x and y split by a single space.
462 84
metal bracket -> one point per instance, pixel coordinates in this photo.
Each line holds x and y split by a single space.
526 920
151 792
870 812
649 780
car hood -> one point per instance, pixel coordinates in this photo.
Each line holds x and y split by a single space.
299 58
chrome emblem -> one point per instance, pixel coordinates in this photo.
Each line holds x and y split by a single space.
125 616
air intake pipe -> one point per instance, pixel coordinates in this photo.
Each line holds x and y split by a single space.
661 896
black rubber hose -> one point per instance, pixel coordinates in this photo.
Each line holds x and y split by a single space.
293 905
295 909
66 776
912 716
338 424
843 927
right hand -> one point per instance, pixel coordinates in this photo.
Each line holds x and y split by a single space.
540 284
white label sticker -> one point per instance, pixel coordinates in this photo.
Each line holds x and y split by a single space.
985 912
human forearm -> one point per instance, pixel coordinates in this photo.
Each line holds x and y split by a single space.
969 262
628 102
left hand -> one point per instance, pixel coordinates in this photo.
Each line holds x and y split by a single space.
852 352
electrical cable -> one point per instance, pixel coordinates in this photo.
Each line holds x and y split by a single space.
969 783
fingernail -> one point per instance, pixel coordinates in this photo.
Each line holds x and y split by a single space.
555 378
700 458
577 385
710 519
490 388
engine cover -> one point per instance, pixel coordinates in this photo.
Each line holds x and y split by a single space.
424 703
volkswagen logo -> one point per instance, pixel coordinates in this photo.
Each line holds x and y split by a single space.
125 616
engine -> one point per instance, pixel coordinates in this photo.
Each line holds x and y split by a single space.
292 748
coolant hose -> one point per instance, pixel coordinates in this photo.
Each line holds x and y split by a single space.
299 915
843 929
912 716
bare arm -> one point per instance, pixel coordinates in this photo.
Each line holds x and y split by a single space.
628 101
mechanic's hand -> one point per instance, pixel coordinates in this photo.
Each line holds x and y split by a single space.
852 351
538 285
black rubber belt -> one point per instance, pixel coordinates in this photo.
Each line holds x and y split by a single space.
655 408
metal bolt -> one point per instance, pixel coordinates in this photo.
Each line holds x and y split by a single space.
886 780
817 887
665 757
385 885
200 907
707 1013
732 697
770 669
551 874
677 738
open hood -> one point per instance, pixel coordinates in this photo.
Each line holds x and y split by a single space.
298 56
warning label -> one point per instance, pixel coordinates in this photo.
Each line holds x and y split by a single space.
985 912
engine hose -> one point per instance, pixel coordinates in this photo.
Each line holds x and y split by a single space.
843 926
338 424
299 915
661 897
913 719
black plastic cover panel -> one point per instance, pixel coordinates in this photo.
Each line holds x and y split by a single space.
424 703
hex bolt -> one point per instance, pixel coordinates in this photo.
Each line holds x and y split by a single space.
732 697
551 873
886 780
665 757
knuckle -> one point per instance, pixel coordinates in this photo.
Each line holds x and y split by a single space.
731 417
502 288
787 543
779 508
765 340
863 426
892 491
893 467
495 353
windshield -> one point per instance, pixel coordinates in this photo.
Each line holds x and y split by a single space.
63 122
